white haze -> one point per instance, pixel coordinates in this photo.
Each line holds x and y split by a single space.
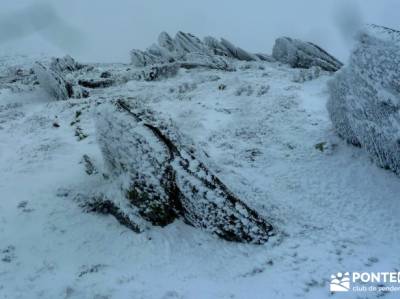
106 30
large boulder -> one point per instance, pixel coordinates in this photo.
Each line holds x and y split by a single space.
300 54
65 64
52 82
164 177
364 102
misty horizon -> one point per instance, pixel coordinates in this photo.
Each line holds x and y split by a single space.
107 32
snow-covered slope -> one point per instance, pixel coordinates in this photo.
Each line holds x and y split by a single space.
268 138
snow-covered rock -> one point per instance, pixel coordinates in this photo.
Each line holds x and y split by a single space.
131 152
300 54
52 82
162 71
188 43
162 176
187 48
365 96
236 52
194 60
140 58
66 63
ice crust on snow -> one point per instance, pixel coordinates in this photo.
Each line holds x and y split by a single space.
364 105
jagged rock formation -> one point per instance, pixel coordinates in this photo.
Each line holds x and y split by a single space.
52 82
300 54
365 96
189 49
162 176
65 64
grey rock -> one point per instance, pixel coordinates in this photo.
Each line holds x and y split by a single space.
52 82
237 52
265 57
162 175
165 41
300 54
194 60
191 51
364 102
188 43
162 71
96 83
140 58
65 64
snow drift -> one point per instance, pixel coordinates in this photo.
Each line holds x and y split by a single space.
365 96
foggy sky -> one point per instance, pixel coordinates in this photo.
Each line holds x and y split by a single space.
105 31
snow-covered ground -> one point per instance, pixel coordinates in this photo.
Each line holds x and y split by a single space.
268 138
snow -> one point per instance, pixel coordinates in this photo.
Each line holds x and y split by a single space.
365 96
334 210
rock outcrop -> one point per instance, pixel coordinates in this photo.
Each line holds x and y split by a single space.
162 175
65 64
364 102
189 49
300 54
52 82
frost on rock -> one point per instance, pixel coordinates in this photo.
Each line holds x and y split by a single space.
52 82
161 175
300 54
191 51
364 99
158 72
66 63
141 58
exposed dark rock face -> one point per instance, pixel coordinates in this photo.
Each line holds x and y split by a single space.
159 72
300 54
107 207
365 96
161 175
99 83
52 82
187 49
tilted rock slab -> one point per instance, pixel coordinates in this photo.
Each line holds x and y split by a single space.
186 47
65 64
52 82
300 54
364 103
162 176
